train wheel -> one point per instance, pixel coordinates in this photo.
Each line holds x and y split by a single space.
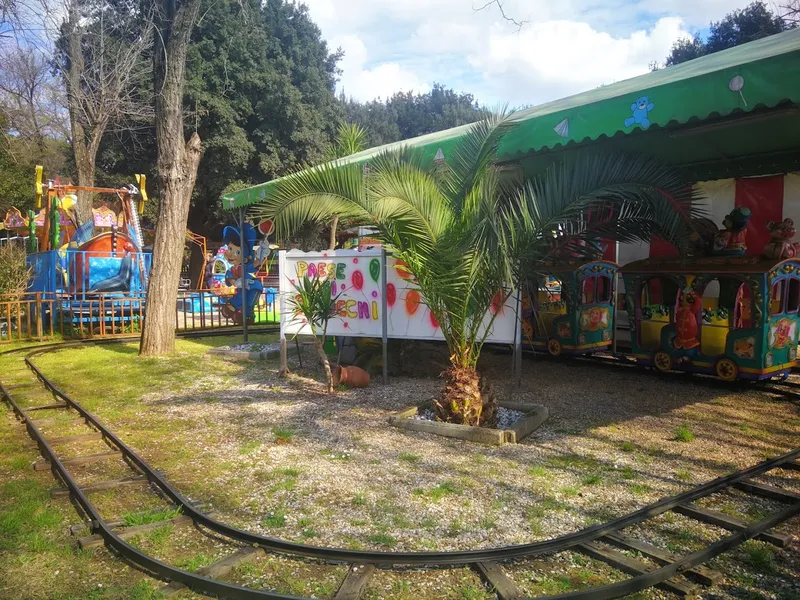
662 362
554 347
727 370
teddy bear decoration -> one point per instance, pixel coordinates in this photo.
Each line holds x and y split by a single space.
780 245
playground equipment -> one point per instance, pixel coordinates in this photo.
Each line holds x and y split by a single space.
91 274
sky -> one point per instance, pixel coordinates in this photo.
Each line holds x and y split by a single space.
563 47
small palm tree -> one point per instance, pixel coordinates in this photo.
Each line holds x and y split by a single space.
314 303
470 233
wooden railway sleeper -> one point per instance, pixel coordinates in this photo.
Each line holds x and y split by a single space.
103 485
44 465
125 533
718 519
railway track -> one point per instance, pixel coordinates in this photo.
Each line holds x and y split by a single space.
45 409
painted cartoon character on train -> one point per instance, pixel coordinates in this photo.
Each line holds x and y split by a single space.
640 110
241 274
687 327
780 244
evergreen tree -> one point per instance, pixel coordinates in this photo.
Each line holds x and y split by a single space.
754 22
406 114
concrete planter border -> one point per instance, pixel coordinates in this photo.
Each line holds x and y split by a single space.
535 415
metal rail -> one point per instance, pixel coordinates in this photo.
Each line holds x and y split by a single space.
339 555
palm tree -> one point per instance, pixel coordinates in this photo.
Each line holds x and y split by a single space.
470 233
351 138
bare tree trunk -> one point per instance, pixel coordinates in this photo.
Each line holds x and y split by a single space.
334 226
85 167
84 160
177 163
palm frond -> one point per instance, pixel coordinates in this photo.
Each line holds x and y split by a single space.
315 194
475 154
617 196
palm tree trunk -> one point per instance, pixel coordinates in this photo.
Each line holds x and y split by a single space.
334 226
466 399
326 365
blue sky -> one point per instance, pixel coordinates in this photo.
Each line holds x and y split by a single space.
566 46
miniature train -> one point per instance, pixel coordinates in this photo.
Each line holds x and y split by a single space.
724 314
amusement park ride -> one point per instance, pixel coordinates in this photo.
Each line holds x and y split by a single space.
96 272
715 311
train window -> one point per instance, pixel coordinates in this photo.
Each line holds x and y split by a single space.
655 310
588 293
793 298
604 288
776 298
742 308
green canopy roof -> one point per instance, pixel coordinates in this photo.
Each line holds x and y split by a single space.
760 74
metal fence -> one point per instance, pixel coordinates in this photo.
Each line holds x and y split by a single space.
43 316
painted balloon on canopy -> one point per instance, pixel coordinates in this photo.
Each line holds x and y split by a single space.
358 280
391 294
434 320
412 301
375 269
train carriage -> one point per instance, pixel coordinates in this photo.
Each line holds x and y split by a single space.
731 316
570 310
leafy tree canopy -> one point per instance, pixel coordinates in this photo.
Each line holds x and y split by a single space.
261 93
406 114
738 27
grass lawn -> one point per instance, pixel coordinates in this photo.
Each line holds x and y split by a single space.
279 457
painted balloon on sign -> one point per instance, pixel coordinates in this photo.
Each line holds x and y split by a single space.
358 280
412 301
375 269
391 294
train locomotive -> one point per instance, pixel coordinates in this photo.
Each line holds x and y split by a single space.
570 310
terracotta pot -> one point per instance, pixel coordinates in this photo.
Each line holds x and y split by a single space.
350 376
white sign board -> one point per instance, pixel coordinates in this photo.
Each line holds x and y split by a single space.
357 276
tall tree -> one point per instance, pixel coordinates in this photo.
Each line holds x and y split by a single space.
100 54
260 93
177 162
34 126
686 49
31 98
468 239
738 27
790 13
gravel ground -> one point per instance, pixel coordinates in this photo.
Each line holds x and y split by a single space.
298 464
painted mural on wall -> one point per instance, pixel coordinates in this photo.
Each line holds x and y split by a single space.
356 278
639 111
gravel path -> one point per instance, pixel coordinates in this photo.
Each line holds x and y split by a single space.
329 470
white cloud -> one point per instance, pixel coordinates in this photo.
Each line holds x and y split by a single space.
567 57
378 81
564 47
